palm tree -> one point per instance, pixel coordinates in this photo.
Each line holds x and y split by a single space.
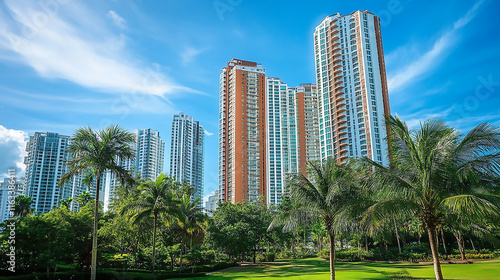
434 173
22 205
330 194
155 201
94 153
190 219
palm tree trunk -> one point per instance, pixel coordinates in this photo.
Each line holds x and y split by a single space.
435 253
332 256
154 242
444 244
397 234
182 251
366 244
472 243
93 265
460 242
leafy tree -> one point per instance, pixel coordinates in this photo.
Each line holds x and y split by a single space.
434 173
156 201
83 199
238 229
66 202
95 153
43 241
330 193
22 205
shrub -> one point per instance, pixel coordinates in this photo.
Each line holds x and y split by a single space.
325 253
352 255
270 257
473 256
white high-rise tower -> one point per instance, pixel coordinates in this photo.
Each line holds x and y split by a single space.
186 152
352 87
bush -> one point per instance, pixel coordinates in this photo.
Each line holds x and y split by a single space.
473 256
377 254
419 248
352 255
325 253
270 257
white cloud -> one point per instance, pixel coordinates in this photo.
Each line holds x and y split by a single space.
12 149
413 120
205 197
189 54
71 42
208 133
410 71
117 19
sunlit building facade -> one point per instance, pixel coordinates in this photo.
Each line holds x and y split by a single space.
352 87
242 132
186 152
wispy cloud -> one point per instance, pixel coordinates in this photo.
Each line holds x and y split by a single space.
12 149
117 19
126 104
189 54
208 133
73 43
464 124
413 120
437 90
411 71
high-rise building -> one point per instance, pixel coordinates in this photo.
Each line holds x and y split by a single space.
186 153
307 122
282 137
242 132
147 164
10 188
352 87
150 154
45 164
211 204
292 133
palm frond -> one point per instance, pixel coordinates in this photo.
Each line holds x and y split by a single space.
470 205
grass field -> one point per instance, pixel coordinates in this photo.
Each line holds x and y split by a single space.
319 269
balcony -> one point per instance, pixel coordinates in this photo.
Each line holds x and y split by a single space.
343 137
333 24
342 121
343 158
338 87
341 114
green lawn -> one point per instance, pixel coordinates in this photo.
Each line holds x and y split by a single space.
319 269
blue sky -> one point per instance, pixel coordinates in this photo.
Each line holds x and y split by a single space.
69 63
